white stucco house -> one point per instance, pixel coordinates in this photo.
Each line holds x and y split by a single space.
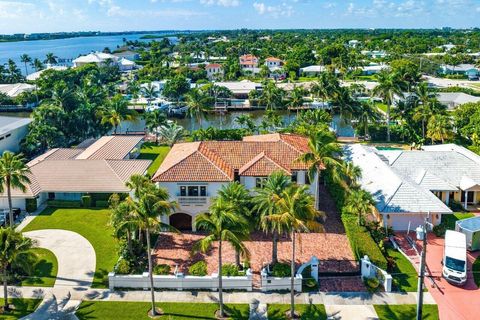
100 58
99 166
194 172
12 132
409 186
214 71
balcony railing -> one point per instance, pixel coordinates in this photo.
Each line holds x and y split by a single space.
192 200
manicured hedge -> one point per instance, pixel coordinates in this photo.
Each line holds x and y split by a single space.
30 205
64 204
101 204
362 243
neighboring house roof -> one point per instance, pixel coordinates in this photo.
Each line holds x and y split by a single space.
313 69
95 57
34 76
392 191
8 124
455 98
15 89
213 65
218 160
273 59
240 87
248 59
101 167
126 62
463 67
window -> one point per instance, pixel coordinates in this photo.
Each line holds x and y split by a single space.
294 176
8 135
203 191
183 191
260 182
193 191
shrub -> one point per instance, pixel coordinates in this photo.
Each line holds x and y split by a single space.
162 269
122 267
281 270
198 269
101 204
86 201
230 270
30 205
362 243
63 204
439 230
310 283
372 284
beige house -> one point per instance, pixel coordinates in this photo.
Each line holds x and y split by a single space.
214 71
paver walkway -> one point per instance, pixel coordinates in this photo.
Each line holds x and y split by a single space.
349 312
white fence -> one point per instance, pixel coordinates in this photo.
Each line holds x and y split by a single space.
275 284
369 270
141 281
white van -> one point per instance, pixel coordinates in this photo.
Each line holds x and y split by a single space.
455 258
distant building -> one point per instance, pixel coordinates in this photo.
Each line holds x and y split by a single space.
373 68
454 99
375 54
100 58
249 62
13 90
469 70
129 55
241 89
34 76
214 71
353 43
12 132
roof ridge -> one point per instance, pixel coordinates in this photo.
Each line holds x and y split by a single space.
203 148
114 172
158 173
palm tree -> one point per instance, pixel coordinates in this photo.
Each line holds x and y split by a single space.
147 209
366 113
13 174
116 111
439 128
14 249
351 174
425 110
37 64
170 133
222 224
197 106
245 120
264 204
324 153
388 86
295 209
153 120
25 58
150 92
360 203
133 89
271 96
123 223
51 58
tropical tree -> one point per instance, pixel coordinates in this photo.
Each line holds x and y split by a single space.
14 250
425 108
147 210
13 175
296 211
123 223
439 128
197 105
170 133
359 203
25 58
324 153
51 58
116 111
245 120
351 174
265 206
37 64
389 85
134 89
365 114
221 224
271 96
150 92
154 119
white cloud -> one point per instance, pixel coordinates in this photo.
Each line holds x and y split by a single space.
14 9
282 10
223 3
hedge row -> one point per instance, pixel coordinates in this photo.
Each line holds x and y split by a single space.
64 204
362 242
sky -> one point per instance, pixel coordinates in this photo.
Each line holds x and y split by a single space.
29 16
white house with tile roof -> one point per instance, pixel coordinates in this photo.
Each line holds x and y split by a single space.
12 131
194 172
98 166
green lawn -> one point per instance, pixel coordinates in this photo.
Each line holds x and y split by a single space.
307 311
450 219
93 224
404 274
44 271
138 310
476 271
155 153
405 312
23 307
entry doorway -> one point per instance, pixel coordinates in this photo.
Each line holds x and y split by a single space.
181 221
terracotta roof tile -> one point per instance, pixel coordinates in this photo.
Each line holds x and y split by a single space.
260 166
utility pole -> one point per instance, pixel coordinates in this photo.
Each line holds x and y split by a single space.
422 271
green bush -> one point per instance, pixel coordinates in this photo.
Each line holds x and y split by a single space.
162 269
86 201
101 204
310 283
362 243
281 270
122 267
64 204
30 205
230 270
439 230
372 284
198 269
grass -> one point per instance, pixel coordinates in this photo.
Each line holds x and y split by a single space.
150 151
91 224
44 270
381 106
450 219
23 307
307 311
405 312
404 274
138 310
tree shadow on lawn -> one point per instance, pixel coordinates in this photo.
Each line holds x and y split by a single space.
307 312
44 270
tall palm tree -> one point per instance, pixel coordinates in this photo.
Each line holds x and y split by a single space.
264 204
150 92
324 153
271 96
14 249
170 133
424 109
222 224
439 128
134 89
245 120
13 174
197 105
116 111
360 203
37 64
25 58
366 114
51 58
296 211
389 85
351 174
148 208
153 120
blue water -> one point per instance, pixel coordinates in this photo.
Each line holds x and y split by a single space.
63 48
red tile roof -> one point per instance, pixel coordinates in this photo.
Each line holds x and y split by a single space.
213 65
273 59
218 160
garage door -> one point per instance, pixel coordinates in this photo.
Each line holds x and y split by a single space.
401 221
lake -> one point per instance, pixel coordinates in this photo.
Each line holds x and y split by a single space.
69 48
